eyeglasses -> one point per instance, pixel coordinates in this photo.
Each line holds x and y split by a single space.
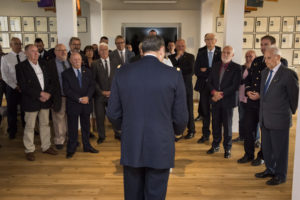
120 42
62 50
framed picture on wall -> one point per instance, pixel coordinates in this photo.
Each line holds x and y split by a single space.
41 24
298 24
249 25
81 25
28 38
296 57
3 23
4 40
220 25
297 41
274 24
248 41
44 37
257 40
28 24
288 24
17 35
52 40
261 24
276 36
286 40
52 24
15 23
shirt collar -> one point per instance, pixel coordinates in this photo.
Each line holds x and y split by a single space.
150 54
275 69
103 60
32 64
213 50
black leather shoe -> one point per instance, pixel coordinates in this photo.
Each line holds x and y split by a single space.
275 181
202 140
238 139
178 137
199 118
59 146
92 135
264 174
257 162
91 150
245 159
69 155
100 140
227 154
213 150
189 135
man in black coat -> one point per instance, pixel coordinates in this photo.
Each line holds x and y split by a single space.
223 83
44 55
185 61
121 55
206 57
36 88
75 47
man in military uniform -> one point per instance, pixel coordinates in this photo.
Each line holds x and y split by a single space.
252 90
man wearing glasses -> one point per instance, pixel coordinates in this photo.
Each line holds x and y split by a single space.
75 46
121 54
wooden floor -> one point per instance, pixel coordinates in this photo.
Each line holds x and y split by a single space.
196 176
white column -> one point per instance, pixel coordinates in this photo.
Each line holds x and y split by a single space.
66 16
206 19
96 20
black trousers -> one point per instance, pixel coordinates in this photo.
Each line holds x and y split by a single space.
2 92
190 106
204 111
73 131
222 116
276 150
145 183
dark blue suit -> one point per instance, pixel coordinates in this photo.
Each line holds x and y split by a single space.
75 109
148 102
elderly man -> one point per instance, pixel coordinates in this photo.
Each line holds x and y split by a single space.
121 55
79 87
59 116
223 83
278 101
35 83
185 61
103 73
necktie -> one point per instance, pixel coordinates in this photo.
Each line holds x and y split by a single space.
64 65
268 82
79 77
210 58
106 68
18 58
122 58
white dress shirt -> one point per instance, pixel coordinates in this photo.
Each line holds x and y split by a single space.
108 65
123 52
275 69
39 73
8 70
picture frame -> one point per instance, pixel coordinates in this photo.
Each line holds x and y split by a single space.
297 24
52 24
261 24
28 38
4 40
257 40
45 38
274 24
220 25
288 24
3 23
81 24
249 25
15 24
297 41
248 41
41 24
286 41
17 35
28 24
296 57
52 40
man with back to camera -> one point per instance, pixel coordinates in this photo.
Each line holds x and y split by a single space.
149 111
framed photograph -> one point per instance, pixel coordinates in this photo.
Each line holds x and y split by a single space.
257 40
15 23
297 24
52 24
261 24
81 25
297 41
3 23
274 24
28 24
220 25
44 37
41 24
249 24
296 57
288 24
52 40
286 40
277 37
28 38
4 40
17 35
248 41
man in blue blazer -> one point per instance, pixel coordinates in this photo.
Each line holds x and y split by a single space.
148 103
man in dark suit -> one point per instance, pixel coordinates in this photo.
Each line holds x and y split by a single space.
35 83
103 73
185 61
278 101
121 55
44 55
149 111
223 83
75 47
206 57
79 87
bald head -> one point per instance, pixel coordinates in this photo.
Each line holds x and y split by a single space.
61 52
180 45
76 60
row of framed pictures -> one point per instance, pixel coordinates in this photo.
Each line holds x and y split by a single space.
50 40
265 24
36 24
284 40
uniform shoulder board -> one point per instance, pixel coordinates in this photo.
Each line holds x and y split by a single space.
177 68
118 67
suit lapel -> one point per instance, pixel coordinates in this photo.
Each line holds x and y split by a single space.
275 79
36 80
74 77
227 70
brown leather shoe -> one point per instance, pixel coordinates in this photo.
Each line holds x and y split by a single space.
51 151
30 156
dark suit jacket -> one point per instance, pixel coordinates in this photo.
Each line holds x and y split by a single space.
73 91
115 56
31 88
148 102
102 81
186 65
202 62
46 57
229 85
280 100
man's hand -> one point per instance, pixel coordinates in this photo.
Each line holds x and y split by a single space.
44 96
218 95
84 100
106 93
203 69
253 95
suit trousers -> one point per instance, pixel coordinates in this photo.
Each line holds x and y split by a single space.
73 131
190 106
60 123
222 116
242 110
204 111
275 150
145 183
44 128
